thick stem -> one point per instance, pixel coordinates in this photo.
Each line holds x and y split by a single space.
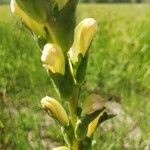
75 145
73 104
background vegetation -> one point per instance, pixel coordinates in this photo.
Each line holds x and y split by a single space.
115 1
118 69
100 1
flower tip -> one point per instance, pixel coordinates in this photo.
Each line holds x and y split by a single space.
53 58
56 109
13 6
44 101
47 54
90 22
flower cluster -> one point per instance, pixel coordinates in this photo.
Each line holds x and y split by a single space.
65 48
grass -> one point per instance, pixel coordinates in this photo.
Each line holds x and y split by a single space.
118 67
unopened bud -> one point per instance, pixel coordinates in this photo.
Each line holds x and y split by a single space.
92 126
55 109
37 28
36 9
84 33
93 103
53 58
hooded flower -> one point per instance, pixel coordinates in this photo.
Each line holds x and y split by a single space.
36 27
84 33
55 109
53 59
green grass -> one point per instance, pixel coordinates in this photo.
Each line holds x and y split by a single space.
118 66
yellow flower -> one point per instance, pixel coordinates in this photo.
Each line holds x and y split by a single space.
93 102
55 109
37 28
36 9
53 58
92 126
84 33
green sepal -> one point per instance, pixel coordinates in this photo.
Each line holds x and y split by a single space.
78 69
82 124
81 69
104 117
36 9
67 133
64 83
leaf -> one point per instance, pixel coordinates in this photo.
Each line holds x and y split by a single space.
36 9
96 122
82 124
67 132
105 117
66 19
81 70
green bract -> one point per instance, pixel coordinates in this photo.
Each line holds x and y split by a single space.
36 27
36 9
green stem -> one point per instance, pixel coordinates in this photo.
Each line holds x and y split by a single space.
75 145
73 104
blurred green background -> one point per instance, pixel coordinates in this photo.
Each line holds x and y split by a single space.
101 1
118 69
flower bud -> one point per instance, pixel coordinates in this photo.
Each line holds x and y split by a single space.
55 109
53 58
82 124
37 28
92 126
93 103
61 148
103 116
84 33
36 9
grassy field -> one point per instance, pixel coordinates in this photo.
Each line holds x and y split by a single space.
119 68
